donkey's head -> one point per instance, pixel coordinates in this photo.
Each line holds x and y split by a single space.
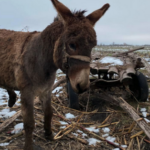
73 48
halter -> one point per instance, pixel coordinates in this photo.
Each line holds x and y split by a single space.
66 58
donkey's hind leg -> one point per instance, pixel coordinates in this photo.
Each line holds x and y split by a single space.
45 98
12 97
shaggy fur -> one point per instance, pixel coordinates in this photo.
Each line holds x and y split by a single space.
28 62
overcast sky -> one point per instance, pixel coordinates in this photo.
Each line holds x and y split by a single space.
127 21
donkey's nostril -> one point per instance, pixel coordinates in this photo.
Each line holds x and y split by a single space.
80 90
78 87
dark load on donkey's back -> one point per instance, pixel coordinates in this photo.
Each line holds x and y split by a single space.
28 61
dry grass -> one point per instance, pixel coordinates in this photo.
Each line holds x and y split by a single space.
100 114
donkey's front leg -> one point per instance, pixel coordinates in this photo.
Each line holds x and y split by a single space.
28 119
45 98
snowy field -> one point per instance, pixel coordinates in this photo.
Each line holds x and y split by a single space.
120 48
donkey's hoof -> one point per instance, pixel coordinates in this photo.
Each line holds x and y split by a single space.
49 136
12 97
11 102
29 147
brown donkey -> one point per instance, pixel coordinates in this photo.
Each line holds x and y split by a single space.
28 61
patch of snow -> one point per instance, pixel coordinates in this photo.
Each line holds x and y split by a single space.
57 95
75 134
93 141
3 96
111 139
148 121
144 114
142 68
5 110
5 113
84 135
61 75
19 125
4 144
18 103
2 102
116 143
58 71
111 60
93 76
79 131
55 81
124 146
116 76
92 129
18 93
17 128
56 89
105 135
106 130
69 116
147 59
143 109
54 133
116 149
10 114
63 122
108 75
63 127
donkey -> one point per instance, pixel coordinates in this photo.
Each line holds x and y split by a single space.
29 60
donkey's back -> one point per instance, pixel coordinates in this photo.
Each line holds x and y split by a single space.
11 51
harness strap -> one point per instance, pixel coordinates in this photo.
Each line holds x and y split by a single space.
79 57
66 56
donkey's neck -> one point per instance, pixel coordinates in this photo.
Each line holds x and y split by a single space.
51 34
40 51
49 37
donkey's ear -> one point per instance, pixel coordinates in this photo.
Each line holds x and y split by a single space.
63 12
96 15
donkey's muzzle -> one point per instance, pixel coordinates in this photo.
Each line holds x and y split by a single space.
80 81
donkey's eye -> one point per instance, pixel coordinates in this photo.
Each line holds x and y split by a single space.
72 46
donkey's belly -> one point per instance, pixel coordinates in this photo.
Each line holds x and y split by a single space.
7 69
8 83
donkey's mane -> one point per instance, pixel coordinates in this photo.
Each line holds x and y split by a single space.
77 13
